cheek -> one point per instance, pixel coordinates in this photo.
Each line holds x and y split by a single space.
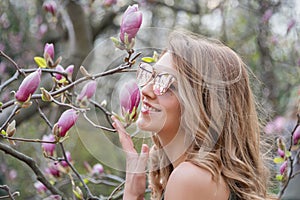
173 112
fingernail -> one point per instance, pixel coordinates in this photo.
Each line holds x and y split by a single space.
144 148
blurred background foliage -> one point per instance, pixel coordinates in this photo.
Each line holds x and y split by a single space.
264 32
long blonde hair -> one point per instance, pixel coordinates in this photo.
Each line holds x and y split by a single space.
219 113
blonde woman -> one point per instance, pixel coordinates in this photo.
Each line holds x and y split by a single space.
197 102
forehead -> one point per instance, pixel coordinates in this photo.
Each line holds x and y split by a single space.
165 64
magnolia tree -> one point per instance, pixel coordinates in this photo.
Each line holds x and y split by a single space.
62 93
60 161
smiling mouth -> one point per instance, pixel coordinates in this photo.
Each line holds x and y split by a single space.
147 107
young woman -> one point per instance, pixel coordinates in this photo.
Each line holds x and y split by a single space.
197 102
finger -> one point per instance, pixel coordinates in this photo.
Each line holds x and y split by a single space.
142 163
124 137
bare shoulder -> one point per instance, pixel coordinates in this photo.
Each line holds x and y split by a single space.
191 182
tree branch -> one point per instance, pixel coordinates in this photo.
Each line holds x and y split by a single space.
32 164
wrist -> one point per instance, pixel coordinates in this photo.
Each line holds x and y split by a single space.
132 197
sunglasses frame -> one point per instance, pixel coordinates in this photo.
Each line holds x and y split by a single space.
154 75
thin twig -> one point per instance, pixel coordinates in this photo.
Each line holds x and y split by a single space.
10 195
10 117
291 160
27 140
295 174
120 68
103 109
98 126
42 114
10 80
32 164
89 194
115 190
13 62
67 105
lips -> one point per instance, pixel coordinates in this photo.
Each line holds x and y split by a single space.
149 108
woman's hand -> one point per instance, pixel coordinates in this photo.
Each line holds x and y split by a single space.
135 183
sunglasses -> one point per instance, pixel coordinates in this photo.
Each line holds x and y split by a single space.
161 81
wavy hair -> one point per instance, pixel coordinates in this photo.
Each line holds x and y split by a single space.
218 113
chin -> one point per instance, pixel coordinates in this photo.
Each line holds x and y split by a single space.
149 125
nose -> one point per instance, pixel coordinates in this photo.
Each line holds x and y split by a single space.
147 90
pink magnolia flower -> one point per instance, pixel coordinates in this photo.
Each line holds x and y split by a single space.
12 174
275 126
66 121
267 15
50 6
49 147
130 99
291 24
28 86
283 167
40 187
64 163
296 136
60 69
131 22
88 90
97 169
69 70
53 170
109 2
281 153
49 51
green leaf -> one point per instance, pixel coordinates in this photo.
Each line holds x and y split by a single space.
115 40
288 154
86 181
279 177
41 62
1 104
3 132
278 160
148 59
78 193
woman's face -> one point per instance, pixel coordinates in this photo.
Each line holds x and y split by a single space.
161 113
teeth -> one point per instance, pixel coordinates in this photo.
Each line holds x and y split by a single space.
150 108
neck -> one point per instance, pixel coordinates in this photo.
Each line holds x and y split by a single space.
175 148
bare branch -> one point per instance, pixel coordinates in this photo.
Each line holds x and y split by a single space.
90 196
291 160
13 62
10 195
32 164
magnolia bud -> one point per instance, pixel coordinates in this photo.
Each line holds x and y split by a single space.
28 86
53 170
109 2
88 90
131 22
49 51
60 69
283 167
97 169
11 128
49 147
69 158
69 70
50 6
40 187
129 101
65 122
296 136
